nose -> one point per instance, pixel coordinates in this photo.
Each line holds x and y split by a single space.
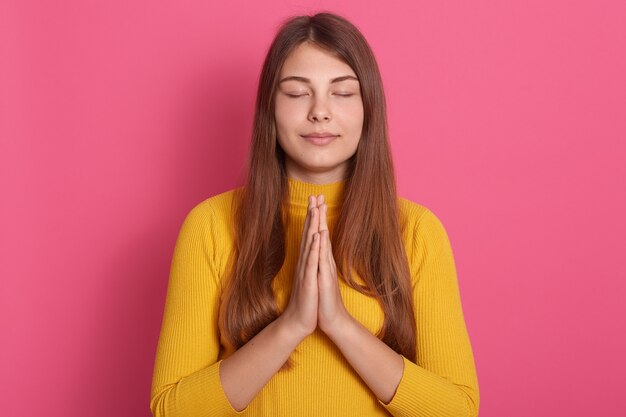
319 110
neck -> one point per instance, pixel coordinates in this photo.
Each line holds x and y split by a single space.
299 192
328 176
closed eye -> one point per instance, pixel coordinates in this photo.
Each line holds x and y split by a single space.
302 95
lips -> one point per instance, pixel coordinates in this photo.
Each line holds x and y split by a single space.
319 135
320 139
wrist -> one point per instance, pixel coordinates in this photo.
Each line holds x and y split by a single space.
289 332
340 326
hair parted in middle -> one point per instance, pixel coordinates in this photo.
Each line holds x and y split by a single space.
367 238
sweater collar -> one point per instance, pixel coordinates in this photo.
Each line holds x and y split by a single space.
299 192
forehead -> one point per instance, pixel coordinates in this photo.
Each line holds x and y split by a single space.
314 63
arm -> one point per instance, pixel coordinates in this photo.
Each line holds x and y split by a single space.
264 354
377 364
443 382
188 379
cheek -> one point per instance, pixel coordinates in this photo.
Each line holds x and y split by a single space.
286 122
352 116
286 111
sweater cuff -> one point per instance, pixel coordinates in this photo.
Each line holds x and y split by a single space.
422 393
203 394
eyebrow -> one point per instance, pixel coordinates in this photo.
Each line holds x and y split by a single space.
308 81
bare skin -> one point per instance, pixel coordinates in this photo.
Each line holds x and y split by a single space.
315 301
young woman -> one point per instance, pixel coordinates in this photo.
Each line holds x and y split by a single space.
314 290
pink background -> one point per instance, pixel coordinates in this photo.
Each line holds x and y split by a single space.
507 119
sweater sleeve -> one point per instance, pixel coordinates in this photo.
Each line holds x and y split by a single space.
186 379
443 382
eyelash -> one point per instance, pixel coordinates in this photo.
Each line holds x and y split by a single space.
300 95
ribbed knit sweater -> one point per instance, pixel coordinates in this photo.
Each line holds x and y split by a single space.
186 381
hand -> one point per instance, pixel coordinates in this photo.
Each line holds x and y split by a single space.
301 312
331 310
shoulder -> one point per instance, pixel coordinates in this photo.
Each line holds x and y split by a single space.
214 213
221 204
425 232
428 246
418 217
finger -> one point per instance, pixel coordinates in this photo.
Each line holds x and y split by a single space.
310 234
313 258
331 257
323 210
314 224
307 222
312 229
324 266
329 251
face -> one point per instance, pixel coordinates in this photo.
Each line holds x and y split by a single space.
317 93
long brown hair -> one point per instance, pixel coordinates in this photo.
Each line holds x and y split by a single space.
368 240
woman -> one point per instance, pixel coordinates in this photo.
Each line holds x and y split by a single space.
314 290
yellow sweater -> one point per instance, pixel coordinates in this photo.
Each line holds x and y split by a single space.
186 380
